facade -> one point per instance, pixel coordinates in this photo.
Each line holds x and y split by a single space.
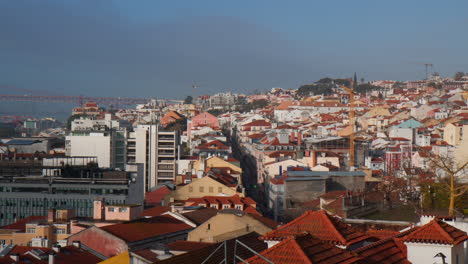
227 224
25 196
157 150
104 138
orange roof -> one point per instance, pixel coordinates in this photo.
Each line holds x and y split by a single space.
321 225
146 228
305 249
387 251
437 232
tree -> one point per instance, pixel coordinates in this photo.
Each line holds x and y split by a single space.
458 76
447 169
73 117
188 100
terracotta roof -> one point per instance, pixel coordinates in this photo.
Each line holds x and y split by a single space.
146 228
305 249
215 144
187 246
387 251
146 254
382 234
258 123
200 255
437 232
155 197
68 254
201 215
155 211
321 225
21 224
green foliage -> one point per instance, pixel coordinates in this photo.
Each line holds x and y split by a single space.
188 100
256 104
435 85
342 82
458 76
179 125
365 87
216 112
315 89
73 117
437 196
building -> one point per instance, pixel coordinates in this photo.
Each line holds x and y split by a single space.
112 240
23 196
103 138
157 150
230 223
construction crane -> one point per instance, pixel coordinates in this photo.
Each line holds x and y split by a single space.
426 67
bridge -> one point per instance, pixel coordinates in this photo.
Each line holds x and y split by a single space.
80 100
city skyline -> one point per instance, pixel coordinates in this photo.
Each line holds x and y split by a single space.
154 49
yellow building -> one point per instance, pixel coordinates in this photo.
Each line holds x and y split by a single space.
205 186
230 223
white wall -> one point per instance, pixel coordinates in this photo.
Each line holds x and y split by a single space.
96 144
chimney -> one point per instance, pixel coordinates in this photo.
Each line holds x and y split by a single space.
313 156
52 258
77 244
51 215
14 257
98 209
56 248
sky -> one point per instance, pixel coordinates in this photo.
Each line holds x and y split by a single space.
158 49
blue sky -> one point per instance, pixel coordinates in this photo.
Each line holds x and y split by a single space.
158 48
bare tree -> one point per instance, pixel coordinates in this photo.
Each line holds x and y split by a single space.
446 167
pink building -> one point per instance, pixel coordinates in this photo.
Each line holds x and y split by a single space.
205 119
121 212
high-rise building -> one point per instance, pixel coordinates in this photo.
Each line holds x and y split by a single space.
157 150
102 138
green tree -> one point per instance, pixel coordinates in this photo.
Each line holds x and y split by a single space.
188 100
458 76
73 117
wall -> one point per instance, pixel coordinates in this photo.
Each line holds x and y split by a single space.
419 253
193 190
96 144
225 226
100 241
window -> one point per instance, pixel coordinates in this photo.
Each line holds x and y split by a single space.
2 241
60 231
209 226
190 188
210 189
123 210
239 207
31 230
220 189
111 209
202 189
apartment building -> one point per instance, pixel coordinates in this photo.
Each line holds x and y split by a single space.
23 196
103 138
157 150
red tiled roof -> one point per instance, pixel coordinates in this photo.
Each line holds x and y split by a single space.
215 144
187 246
67 255
258 123
382 234
146 254
387 251
155 211
21 224
321 225
305 249
155 197
437 232
146 228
